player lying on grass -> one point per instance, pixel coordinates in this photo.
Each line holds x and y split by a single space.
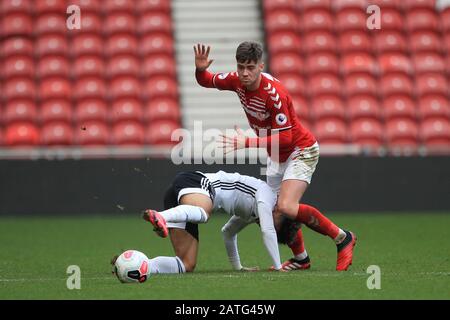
293 150
191 199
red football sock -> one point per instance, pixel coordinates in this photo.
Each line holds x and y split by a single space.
298 246
315 220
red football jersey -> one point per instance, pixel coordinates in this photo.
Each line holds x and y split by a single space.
268 108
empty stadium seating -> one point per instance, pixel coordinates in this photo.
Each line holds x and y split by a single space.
113 81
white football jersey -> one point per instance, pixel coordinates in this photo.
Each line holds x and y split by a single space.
238 194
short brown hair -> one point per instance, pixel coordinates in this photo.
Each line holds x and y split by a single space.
249 51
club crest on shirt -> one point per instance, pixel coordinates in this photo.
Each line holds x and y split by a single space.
281 119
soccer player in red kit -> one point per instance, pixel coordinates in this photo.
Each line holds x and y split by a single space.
270 113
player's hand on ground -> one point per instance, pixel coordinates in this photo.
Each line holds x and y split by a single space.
249 269
230 144
201 57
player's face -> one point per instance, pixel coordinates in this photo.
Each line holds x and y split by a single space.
249 72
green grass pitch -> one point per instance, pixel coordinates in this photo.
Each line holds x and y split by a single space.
412 250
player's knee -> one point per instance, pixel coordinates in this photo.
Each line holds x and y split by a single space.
189 266
287 208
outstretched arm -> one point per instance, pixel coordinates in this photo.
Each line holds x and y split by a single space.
268 233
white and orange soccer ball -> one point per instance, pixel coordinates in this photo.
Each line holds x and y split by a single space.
132 266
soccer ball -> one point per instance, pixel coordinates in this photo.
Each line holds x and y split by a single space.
131 266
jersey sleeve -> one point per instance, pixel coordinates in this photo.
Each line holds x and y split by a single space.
222 81
279 104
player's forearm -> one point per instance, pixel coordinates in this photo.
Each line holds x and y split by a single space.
283 139
232 251
269 234
205 78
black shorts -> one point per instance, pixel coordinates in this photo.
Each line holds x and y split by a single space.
186 183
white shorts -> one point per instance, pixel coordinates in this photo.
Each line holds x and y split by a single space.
300 165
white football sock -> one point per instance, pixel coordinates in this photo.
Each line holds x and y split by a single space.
185 213
166 265
340 237
302 255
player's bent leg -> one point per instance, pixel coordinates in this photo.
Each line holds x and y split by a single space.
291 192
200 201
185 245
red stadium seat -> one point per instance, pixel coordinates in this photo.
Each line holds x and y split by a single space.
326 107
363 106
92 109
92 133
445 19
319 41
281 20
51 23
349 4
352 41
57 134
396 83
387 4
425 41
88 66
126 109
294 83
56 110
154 22
399 106
121 44
125 87
89 87
270 5
119 22
331 131
16 24
15 6
434 106
317 19
436 132
110 6
1 137
123 65
447 42
429 62
402 133
158 64
432 83
87 6
48 6
316 4
286 62
419 4
389 41
160 132
16 46
55 88
367 133
358 63
53 66
153 5
284 42
351 19
161 86
52 44
19 88
322 62
325 84
20 111
301 108
91 23
156 43
360 83
18 66
394 62
422 19
161 109
21 134
128 133
391 19
87 44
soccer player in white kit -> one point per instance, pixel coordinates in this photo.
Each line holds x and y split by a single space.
247 199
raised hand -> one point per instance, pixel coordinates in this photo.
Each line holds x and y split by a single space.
230 144
201 57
